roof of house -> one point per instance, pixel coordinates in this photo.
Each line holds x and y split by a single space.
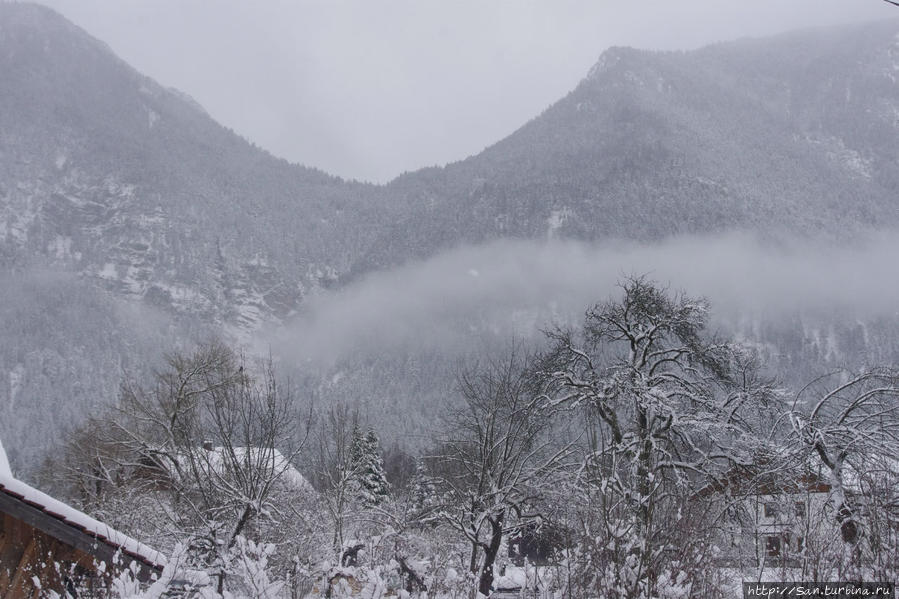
755 480
55 517
5 470
222 458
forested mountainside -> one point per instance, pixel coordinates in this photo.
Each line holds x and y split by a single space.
109 174
130 221
123 203
795 133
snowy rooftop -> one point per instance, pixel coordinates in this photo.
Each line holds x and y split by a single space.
270 459
5 470
77 520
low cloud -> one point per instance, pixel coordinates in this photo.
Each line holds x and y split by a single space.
518 288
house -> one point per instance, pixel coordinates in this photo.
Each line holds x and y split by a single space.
46 545
772 514
213 461
782 517
266 459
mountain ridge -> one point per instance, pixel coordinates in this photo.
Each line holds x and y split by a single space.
129 149
645 115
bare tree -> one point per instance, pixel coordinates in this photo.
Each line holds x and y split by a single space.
216 438
850 426
494 457
333 470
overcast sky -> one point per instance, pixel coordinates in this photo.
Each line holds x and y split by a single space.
367 89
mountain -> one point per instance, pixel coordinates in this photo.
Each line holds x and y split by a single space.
791 134
132 223
133 186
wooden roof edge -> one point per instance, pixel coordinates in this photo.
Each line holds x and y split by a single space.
52 520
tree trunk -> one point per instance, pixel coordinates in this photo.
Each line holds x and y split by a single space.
473 560
238 528
643 550
485 585
414 583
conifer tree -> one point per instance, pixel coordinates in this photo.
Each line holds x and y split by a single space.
357 449
424 497
368 468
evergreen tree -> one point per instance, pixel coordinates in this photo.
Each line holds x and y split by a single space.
368 468
424 497
357 449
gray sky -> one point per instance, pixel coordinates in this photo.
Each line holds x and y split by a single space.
367 89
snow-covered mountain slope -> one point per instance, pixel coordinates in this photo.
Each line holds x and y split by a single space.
793 134
106 173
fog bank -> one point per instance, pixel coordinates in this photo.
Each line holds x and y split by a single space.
520 287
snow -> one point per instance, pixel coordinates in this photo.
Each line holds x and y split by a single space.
606 61
108 271
73 517
60 247
279 464
5 471
877 467
837 151
16 376
514 577
556 219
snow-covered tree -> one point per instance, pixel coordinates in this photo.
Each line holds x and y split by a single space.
367 466
671 408
495 456
332 470
424 496
213 439
848 423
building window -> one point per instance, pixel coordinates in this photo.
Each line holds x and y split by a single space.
771 510
800 509
772 546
